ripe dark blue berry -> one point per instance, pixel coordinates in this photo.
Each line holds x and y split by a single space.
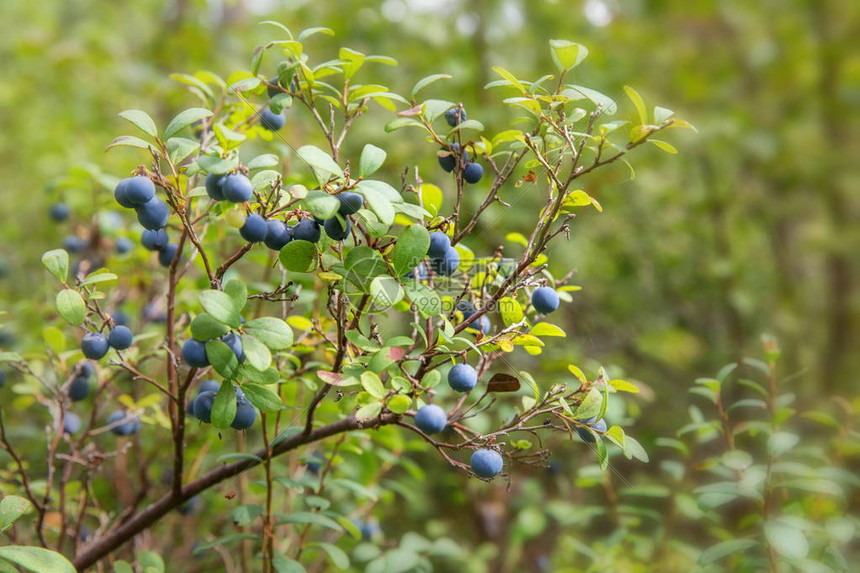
439 244
455 116
446 264
126 428
473 172
431 419
194 353
337 230
585 435
139 190
94 345
277 234
120 193
350 203
307 230
214 184
202 406
237 188
154 239
245 414
462 377
486 463
59 212
272 121
153 214
123 245
120 337
71 423
235 343
79 388
254 230
545 300
274 87
209 385
167 254
74 244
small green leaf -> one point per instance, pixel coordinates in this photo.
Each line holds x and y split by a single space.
286 565
71 306
590 405
237 291
37 559
245 514
304 517
129 141
262 397
141 120
724 549
179 148
424 82
204 327
786 539
512 311
371 160
11 508
665 146
57 263
273 332
299 256
373 385
425 299
224 407
399 404
184 119
380 205
322 164
410 250
781 442
369 411
385 292
337 555
321 204
222 359
567 55
547 329
624 386
638 104
220 306
256 353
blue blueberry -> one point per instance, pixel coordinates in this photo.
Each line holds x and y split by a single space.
85 368
455 115
208 386
153 214
350 203
126 428
2 377
306 230
245 414
485 324
79 388
272 121
167 254
94 345
59 212
421 271
336 230
431 419
154 239
120 318
467 307
71 423
123 245
486 463
473 172
139 190
120 337
316 462
367 529
235 343
202 406
194 353
448 263
214 186
254 230
448 159
277 234
439 244
274 87
545 300
120 193
462 377
237 188
74 244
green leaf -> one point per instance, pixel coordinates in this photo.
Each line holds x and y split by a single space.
286 565
547 329
353 61
369 411
299 256
425 299
141 120
245 514
304 517
227 539
786 539
305 34
399 404
633 449
321 204
256 353
98 277
424 82
224 407
220 306
638 104
37 559
268 376
150 562
724 549
373 385
57 263
411 248
218 165
273 332
590 405
204 327
512 311
184 119
179 148
262 397
380 205
122 567
338 557
11 508
263 161
781 442
371 159
606 103
567 55
129 141
661 114
510 77
222 359
623 386
665 146
322 164
71 306
237 291
385 292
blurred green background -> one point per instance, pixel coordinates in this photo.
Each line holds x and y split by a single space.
751 229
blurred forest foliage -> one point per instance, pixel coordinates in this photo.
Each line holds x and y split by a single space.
750 229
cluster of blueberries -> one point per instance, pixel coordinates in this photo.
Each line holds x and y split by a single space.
95 345
201 405
121 423
194 351
73 243
79 387
138 193
455 158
